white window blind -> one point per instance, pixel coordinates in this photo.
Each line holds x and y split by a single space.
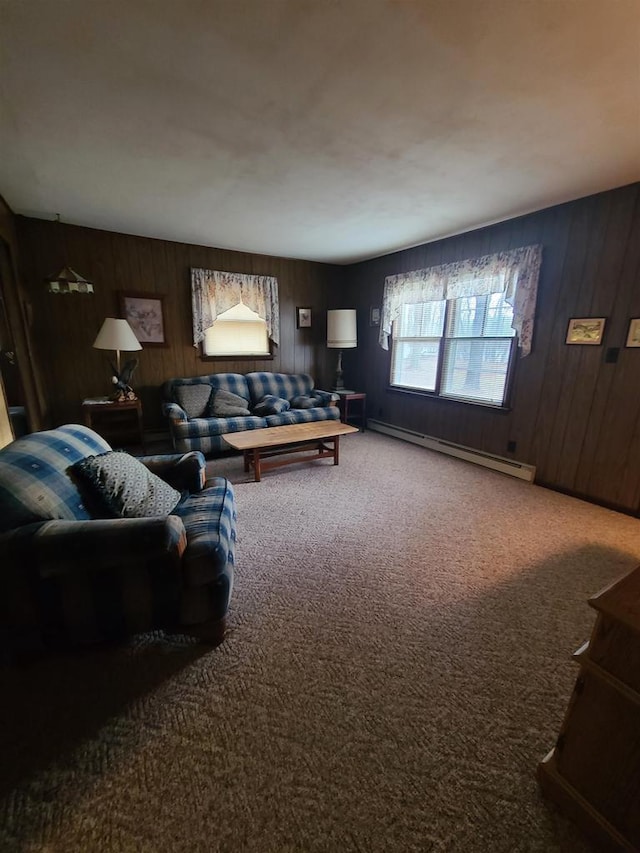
416 345
237 332
458 348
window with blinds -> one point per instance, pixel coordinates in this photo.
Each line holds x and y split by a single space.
459 348
237 332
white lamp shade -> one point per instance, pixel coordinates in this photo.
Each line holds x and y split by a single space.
117 335
342 329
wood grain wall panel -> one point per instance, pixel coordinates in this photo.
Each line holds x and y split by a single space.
67 324
574 416
611 458
564 362
592 391
598 434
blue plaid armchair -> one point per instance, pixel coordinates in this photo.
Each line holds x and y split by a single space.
67 577
206 433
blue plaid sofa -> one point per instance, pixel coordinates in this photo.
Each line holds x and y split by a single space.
68 578
207 433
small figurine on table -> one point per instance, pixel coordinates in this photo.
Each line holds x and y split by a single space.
123 390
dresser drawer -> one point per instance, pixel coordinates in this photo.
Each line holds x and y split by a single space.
598 750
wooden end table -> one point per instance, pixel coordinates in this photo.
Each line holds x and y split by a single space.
346 413
118 423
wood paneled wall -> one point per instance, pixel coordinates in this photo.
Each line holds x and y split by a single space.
65 326
15 303
573 415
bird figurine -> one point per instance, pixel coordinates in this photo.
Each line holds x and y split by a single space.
121 378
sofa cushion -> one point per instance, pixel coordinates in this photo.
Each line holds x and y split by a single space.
285 385
271 405
303 416
225 404
194 399
125 486
303 401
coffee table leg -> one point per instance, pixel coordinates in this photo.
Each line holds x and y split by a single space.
336 450
247 457
256 464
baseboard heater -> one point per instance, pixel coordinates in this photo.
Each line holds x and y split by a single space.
496 463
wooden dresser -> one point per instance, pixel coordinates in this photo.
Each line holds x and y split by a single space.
593 773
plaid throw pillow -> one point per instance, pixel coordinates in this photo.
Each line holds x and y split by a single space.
194 399
302 401
125 487
224 404
270 405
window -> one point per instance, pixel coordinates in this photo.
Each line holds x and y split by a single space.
456 348
237 332
235 315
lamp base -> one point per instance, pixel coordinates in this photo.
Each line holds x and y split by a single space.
123 396
338 384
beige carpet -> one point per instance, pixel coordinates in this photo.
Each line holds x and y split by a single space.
399 663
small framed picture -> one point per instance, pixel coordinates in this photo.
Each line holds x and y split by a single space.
145 314
303 318
374 316
585 330
633 337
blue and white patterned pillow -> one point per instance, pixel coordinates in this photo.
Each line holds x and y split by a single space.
303 401
271 405
225 404
125 486
194 399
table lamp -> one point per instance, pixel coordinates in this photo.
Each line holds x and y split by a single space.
118 335
341 334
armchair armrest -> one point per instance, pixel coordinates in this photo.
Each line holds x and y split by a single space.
174 412
91 580
56 548
183 471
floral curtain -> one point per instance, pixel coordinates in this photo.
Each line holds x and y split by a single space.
514 273
213 292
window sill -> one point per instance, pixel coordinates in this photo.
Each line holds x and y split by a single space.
260 357
429 395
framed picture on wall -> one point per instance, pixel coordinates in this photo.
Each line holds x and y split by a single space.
145 314
633 336
303 318
585 330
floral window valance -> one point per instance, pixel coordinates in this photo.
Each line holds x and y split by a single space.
514 273
213 292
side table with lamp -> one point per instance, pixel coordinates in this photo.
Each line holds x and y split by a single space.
342 333
118 418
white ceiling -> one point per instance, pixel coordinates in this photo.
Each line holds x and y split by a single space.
332 130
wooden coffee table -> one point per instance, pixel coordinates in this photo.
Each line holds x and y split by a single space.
322 438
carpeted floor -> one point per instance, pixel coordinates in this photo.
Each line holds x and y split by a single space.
399 662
